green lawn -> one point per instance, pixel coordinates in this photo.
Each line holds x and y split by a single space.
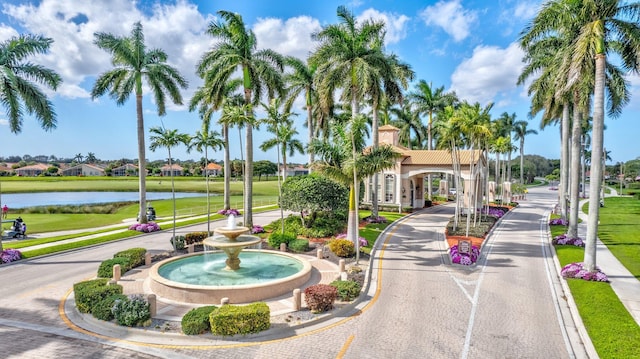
613 331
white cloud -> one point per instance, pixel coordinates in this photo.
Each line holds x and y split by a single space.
395 24
489 75
290 37
526 10
177 29
7 32
451 17
4 122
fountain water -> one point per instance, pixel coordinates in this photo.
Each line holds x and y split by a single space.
232 241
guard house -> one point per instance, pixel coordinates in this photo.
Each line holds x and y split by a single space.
404 185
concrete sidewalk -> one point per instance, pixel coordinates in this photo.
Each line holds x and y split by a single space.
624 284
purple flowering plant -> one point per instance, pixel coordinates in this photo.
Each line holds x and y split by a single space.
558 222
363 241
257 229
10 255
145 227
577 270
464 258
379 219
563 240
228 212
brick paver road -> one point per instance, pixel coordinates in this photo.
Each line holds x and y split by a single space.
420 306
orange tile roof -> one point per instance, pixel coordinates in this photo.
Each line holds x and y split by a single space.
437 157
213 166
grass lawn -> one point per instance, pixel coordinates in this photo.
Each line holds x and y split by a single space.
613 331
373 230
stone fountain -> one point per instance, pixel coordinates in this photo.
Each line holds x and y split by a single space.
231 240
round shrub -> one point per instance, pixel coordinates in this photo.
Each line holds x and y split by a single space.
277 238
348 290
196 321
106 267
179 242
342 247
299 245
103 310
132 311
320 297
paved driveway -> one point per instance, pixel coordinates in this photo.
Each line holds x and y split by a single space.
418 306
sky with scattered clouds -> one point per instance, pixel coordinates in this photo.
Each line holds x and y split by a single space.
470 47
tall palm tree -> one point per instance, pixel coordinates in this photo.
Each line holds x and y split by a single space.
603 27
520 130
19 78
348 57
236 49
202 141
407 120
300 81
162 137
506 122
133 63
429 102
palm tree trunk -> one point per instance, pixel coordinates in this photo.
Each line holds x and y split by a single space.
564 161
206 181
597 142
310 127
227 168
376 139
173 199
576 129
248 165
429 147
353 222
142 166
522 161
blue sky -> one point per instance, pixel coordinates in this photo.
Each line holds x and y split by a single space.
466 46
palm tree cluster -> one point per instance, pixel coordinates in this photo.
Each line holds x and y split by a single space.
567 47
350 85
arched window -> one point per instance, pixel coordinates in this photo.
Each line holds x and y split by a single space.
389 185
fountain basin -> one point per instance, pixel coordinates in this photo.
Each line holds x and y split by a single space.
231 232
213 292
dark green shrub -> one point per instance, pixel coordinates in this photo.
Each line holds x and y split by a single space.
195 237
299 245
231 319
135 255
89 293
320 297
348 290
132 311
103 309
105 270
277 238
179 242
325 225
196 321
342 247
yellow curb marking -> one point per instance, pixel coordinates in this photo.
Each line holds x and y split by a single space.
72 326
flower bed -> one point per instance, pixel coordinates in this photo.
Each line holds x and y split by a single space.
145 227
563 240
10 255
576 270
558 222
363 241
464 258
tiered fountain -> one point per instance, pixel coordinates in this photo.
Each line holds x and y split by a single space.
206 278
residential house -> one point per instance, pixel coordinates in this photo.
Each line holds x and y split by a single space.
84 169
125 170
175 168
213 169
32 170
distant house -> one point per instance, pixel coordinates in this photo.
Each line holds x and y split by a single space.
6 169
125 170
176 169
32 170
84 169
295 171
213 169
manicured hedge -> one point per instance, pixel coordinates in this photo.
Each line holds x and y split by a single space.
89 293
196 321
231 319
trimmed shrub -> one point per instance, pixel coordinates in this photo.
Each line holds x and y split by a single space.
277 238
231 319
135 255
342 247
195 237
103 309
106 267
196 321
132 311
89 293
179 242
299 245
320 297
348 290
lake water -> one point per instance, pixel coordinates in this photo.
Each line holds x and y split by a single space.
22 200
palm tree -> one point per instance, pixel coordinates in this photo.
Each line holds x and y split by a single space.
337 162
506 122
133 62
520 130
162 137
300 81
407 120
202 141
91 158
19 90
78 158
236 49
602 27
429 102
348 56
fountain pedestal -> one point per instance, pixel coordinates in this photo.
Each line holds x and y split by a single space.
231 240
